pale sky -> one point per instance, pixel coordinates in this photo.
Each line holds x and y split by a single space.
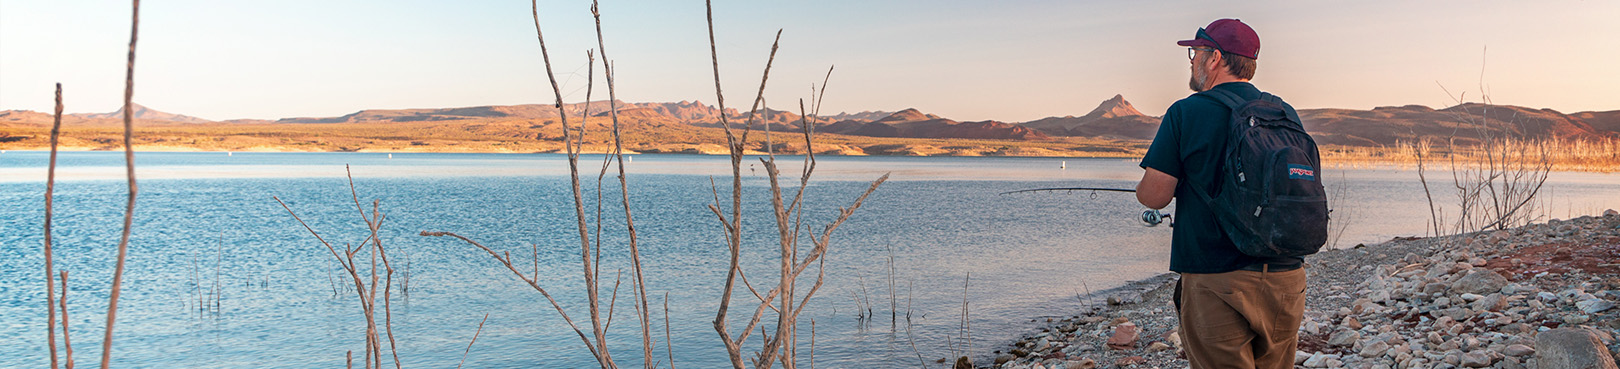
968 60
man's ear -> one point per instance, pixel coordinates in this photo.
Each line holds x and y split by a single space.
1216 59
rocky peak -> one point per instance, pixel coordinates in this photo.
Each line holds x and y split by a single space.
908 115
1114 108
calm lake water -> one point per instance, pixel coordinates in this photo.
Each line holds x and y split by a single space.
205 214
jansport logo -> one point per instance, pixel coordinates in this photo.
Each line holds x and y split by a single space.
1296 171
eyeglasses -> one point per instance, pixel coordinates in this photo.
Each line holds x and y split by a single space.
1192 52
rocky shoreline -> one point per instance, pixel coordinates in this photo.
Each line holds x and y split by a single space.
1539 296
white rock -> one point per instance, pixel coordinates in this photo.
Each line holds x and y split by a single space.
1514 288
1344 337
1518 350
1453 357
1469 297
1311 327
1080 364
1316 360
1375 282
1375 349
1476 359
1441 302
1594 306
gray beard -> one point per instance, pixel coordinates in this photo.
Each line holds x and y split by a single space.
1196 83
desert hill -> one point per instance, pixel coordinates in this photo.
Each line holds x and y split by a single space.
861 116
144 113
690 112
1115 118
916 124
23 116
908 123
681 110
1387 125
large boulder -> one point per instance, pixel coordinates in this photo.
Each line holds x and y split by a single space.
1480 281
1571 348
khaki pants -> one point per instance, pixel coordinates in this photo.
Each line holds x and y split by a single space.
1241 319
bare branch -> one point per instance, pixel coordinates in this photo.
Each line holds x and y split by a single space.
530 282
669 344
129 166
613 301
67 340
474 339
599 351
639 283
50 186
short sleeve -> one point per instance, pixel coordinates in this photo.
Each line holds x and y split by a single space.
1165 152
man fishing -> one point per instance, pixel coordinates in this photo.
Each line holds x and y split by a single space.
1237 310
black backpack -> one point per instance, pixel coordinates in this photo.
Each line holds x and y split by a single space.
1268 195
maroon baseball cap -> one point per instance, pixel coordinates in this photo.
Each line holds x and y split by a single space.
1229 36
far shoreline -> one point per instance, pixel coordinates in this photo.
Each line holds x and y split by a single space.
1330 161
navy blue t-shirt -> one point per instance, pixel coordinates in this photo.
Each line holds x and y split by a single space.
1188 146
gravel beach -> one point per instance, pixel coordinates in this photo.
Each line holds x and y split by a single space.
1538 296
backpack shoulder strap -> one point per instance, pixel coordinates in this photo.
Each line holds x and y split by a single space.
1287 109
1231 100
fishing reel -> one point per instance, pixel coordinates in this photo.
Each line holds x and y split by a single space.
1152 217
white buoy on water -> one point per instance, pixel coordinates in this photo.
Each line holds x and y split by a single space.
1063 165
227 153
390 156
629 159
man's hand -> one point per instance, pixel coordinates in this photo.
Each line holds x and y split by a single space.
1156 189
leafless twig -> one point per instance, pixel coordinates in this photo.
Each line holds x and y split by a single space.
67 341
129 166
532 284
639 283
50 186
669 344
474 339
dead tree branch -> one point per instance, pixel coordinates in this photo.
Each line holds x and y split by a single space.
129 166
50 186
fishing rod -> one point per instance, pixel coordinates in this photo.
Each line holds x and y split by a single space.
1071 189
1151 217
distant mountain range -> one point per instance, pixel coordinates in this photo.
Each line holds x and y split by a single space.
1114 118
916 124
1385 125
141 113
